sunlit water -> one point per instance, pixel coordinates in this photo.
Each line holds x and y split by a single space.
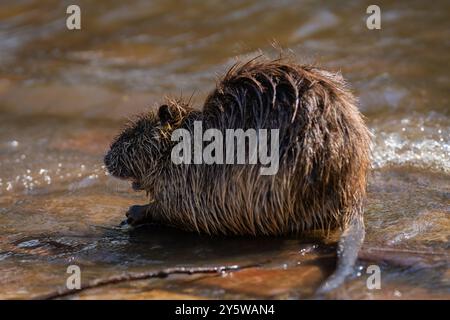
65 94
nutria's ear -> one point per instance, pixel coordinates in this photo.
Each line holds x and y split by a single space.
164 114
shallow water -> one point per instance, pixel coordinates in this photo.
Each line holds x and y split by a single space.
65 94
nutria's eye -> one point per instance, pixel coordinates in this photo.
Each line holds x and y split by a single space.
164 114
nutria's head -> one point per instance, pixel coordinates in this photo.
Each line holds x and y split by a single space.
136 152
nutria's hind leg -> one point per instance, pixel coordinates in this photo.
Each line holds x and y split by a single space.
137 215
347 253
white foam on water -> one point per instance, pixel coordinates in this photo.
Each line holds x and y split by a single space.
424 146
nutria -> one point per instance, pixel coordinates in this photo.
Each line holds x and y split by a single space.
323 159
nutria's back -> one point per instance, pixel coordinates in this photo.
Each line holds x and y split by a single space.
323 156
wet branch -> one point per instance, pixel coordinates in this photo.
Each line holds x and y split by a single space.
405 258
399 250
164 273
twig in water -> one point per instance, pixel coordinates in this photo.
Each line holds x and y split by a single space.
63 292
399 250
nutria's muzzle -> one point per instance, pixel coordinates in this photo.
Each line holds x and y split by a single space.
118 171
107 161
110 166
114 168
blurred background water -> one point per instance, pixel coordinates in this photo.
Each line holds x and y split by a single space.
65 94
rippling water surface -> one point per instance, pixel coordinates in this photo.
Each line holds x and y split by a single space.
65 94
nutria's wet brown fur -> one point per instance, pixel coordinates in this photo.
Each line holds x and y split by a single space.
324 157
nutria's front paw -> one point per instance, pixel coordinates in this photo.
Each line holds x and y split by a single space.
137 215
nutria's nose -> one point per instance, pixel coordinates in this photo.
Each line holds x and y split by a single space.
115 167
107 159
